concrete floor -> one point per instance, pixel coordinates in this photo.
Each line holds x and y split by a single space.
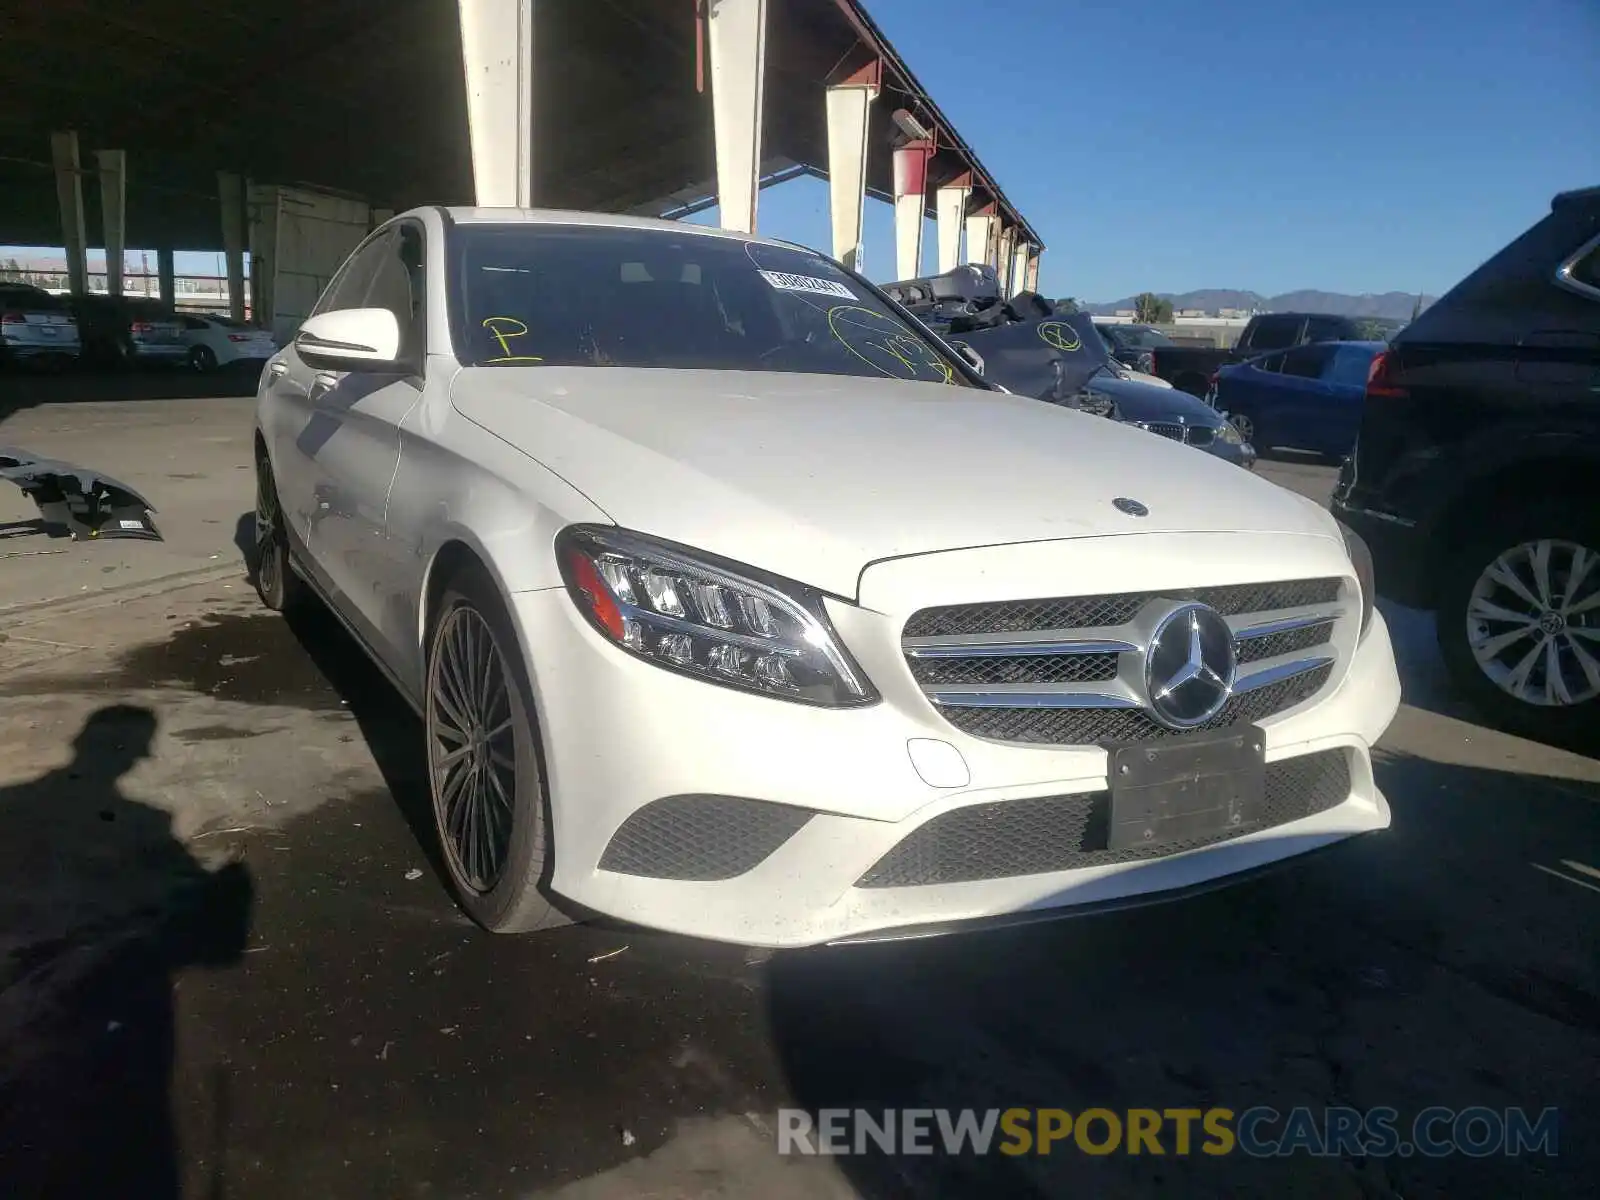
219 900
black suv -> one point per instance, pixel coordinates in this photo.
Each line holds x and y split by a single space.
1476 476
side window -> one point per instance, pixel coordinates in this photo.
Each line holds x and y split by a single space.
193 323
397 284
1275 333
1586 272
1349 366
348 288
1306 362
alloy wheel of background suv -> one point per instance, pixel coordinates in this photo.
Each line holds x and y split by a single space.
1519 622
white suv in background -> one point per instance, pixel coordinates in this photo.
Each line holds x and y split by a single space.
735 605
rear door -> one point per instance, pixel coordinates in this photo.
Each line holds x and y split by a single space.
1302 398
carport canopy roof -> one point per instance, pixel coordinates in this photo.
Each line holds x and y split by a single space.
366 97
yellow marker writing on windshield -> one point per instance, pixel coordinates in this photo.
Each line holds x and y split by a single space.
503 329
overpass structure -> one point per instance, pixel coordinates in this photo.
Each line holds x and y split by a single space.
287 131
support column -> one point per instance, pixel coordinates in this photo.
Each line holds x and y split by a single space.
736 39
262 204
1008 242
1031 280
166 277
230 190
1019 267
69 193
497 62
981 236
910 206
950 204
113 213
849 109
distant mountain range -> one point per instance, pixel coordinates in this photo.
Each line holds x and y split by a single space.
1392 305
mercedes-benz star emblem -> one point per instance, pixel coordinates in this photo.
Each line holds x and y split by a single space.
1189 666
1132 507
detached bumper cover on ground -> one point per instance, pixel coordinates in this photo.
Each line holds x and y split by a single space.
88 503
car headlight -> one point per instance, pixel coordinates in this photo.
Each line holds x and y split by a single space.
1228 435
717 621
1361 559
1098 404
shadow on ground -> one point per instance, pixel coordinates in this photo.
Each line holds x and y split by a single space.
100 907
20 389
1447 961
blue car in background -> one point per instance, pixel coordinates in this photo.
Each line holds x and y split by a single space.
1307 398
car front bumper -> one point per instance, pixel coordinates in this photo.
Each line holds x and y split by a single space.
627 742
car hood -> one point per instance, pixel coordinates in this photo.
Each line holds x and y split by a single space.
817 476
1138 401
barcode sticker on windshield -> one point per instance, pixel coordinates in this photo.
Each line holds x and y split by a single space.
805 283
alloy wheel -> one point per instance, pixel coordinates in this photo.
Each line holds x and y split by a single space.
1533 622
472 749
268 516
1245 426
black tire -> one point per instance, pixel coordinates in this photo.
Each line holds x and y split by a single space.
1566 724
203 359
270 564
516 897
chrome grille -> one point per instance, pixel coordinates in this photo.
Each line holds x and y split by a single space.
1166 429
1064 668
1089 726
1008 838
1090 612
1177 431
1069 671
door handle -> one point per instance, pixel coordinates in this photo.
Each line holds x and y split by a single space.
322 385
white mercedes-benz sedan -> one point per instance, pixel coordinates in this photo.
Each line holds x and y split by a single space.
736 604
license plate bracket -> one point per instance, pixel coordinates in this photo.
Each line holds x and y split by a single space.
1193 786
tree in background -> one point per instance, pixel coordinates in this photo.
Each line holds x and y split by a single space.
1151 309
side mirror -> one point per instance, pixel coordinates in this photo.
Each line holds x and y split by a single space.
974 359
351 339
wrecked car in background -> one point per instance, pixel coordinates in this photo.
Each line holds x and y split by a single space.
1030 349
88 504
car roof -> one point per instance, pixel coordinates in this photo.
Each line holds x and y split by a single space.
1577 195
560 216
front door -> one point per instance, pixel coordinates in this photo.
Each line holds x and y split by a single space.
346 450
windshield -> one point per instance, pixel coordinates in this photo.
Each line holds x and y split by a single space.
1137 337
580 295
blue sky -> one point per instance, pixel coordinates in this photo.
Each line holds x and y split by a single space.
1367 146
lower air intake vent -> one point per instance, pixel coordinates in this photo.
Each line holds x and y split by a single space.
1009 838
700 838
